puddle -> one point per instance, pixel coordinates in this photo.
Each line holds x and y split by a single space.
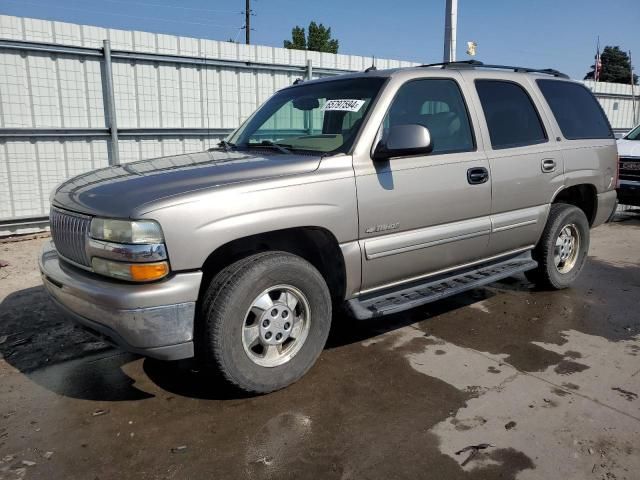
538 419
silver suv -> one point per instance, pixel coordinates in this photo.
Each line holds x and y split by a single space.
376 191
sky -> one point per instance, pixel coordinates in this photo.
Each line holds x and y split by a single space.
557 34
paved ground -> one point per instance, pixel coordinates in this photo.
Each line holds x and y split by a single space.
549 379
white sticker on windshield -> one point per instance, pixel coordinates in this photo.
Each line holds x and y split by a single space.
345 105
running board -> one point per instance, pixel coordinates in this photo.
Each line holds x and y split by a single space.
429 290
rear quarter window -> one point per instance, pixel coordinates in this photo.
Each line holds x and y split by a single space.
577 112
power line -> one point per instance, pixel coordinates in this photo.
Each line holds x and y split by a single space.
137 17
235 39
179 7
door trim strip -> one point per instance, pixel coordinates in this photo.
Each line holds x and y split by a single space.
514 225
433 243
444 270
407 241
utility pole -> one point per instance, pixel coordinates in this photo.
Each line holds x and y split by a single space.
633 94
450 24
247 21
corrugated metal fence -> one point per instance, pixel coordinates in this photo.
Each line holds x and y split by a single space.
619 102
170 95
67 98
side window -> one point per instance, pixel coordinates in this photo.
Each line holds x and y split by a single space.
578 113
438 105
512 118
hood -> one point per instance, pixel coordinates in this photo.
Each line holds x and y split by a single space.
628 148
117 191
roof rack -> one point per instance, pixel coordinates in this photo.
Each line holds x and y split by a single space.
476 63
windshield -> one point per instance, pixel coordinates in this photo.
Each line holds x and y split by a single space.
321 117
633 134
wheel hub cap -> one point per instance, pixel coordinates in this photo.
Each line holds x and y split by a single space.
276 325
567 248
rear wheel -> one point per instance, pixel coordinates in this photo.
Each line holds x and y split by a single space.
266 321
563 247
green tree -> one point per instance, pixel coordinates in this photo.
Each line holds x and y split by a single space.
298 39
318 40
616 67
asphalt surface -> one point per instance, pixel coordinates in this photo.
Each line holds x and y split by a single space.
547 382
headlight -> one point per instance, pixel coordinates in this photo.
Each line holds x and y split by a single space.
126 231
131 250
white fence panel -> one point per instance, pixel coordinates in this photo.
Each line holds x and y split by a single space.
53 120
618 101
172 95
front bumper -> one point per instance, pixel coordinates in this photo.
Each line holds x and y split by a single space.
153 319
629 193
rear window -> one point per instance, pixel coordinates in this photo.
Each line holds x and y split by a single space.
512 118
578 113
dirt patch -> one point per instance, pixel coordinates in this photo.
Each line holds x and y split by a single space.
571 386
560 392
572 354
568 367
630 396
463 424
34 331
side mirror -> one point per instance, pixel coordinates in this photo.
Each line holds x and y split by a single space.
404 140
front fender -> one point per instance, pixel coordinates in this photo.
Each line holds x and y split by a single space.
197 226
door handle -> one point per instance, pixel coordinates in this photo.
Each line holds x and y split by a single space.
477 175
548 165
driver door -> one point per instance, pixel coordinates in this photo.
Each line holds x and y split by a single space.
426 213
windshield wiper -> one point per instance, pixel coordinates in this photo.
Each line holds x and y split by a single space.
269 143
226 146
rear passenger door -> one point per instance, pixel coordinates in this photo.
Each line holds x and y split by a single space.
524 156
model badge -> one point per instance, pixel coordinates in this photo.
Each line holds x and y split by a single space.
630 166
382 228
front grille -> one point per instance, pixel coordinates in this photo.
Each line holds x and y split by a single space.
630 168
70 232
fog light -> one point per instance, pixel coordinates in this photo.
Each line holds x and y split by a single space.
133 272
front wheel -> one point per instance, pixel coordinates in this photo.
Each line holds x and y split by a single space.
562 250
266 321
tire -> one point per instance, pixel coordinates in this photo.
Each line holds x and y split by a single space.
549 274
229 316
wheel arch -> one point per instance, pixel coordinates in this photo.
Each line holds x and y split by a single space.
583 195
317 245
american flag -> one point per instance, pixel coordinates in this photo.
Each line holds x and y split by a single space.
598 64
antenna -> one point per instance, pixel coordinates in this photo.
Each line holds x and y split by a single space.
373 67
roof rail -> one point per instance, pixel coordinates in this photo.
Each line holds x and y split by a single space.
478 64
462 63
